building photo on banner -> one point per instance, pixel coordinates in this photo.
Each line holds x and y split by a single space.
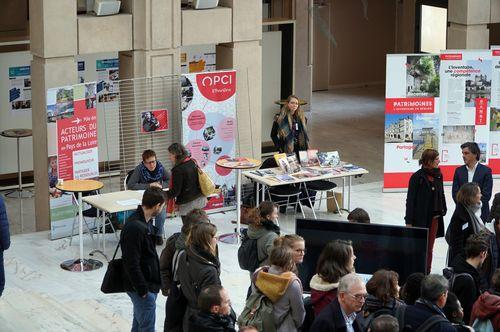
446 102
208 102
72 142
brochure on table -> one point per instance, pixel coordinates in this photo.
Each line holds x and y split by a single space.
411 114
72 144
208 103
465 101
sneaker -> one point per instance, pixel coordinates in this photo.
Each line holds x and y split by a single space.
159 240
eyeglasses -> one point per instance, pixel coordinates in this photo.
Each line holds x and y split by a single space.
359 297
150 162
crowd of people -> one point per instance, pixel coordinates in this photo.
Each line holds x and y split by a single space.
465 297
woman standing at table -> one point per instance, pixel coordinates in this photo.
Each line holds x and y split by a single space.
184 185
425 202
289 132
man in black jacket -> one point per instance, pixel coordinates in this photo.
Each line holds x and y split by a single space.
340 314
215 313
140 260
474 171
427 310
466 286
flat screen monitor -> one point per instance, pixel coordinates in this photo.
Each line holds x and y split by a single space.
398 248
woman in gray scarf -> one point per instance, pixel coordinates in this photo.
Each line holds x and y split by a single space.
465 220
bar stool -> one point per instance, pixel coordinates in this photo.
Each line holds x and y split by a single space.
18 133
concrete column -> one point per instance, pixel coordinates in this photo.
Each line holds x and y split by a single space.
468 21
53 27
246 59
303 48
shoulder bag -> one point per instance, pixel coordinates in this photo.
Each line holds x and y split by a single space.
113 279
207 186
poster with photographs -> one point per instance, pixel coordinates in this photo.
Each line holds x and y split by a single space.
20 89
209 128
154 121
466 82
494 150
107 77
197 58
411 115
72 147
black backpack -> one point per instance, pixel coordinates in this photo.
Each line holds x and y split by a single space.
247 253
450 274
398 312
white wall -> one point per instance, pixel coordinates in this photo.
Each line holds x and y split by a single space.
271 80
8 120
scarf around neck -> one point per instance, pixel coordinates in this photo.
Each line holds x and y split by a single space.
286 133
152 176
476 223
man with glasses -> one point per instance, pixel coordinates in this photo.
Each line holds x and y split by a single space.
427 312
148 174
340 314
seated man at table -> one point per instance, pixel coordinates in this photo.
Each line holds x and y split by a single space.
151 173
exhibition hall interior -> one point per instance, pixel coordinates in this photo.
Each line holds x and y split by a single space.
186 165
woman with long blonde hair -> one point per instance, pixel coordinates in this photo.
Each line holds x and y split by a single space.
289 132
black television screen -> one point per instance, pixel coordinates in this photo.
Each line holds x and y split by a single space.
398 248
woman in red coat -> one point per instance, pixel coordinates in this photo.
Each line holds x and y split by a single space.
487 306
335 261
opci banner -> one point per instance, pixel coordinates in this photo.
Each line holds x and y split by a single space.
209 127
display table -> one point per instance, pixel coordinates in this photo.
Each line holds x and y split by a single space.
336 173
115 202
237 164
18 134
79 187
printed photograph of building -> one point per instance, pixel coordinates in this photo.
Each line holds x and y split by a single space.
458 134
425 133
422 76
479 85
398 128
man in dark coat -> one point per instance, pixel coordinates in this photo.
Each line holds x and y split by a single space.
341 312
215 313
140 261
4 241
429 306
474 171
467 286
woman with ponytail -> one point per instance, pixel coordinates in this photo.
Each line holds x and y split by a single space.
264 228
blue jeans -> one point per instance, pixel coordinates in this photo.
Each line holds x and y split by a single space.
160 221
144 312
2 273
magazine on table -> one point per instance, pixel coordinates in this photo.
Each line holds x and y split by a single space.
328 159
309 157
303 175
285 177
288 163
263 172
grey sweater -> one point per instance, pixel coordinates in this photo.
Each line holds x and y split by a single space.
265 239
289 311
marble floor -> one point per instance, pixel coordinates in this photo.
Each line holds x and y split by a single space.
40 296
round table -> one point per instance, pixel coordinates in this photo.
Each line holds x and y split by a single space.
237 164
80 186
18 133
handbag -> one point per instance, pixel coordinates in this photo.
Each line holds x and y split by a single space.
113 279
177 303
207 186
